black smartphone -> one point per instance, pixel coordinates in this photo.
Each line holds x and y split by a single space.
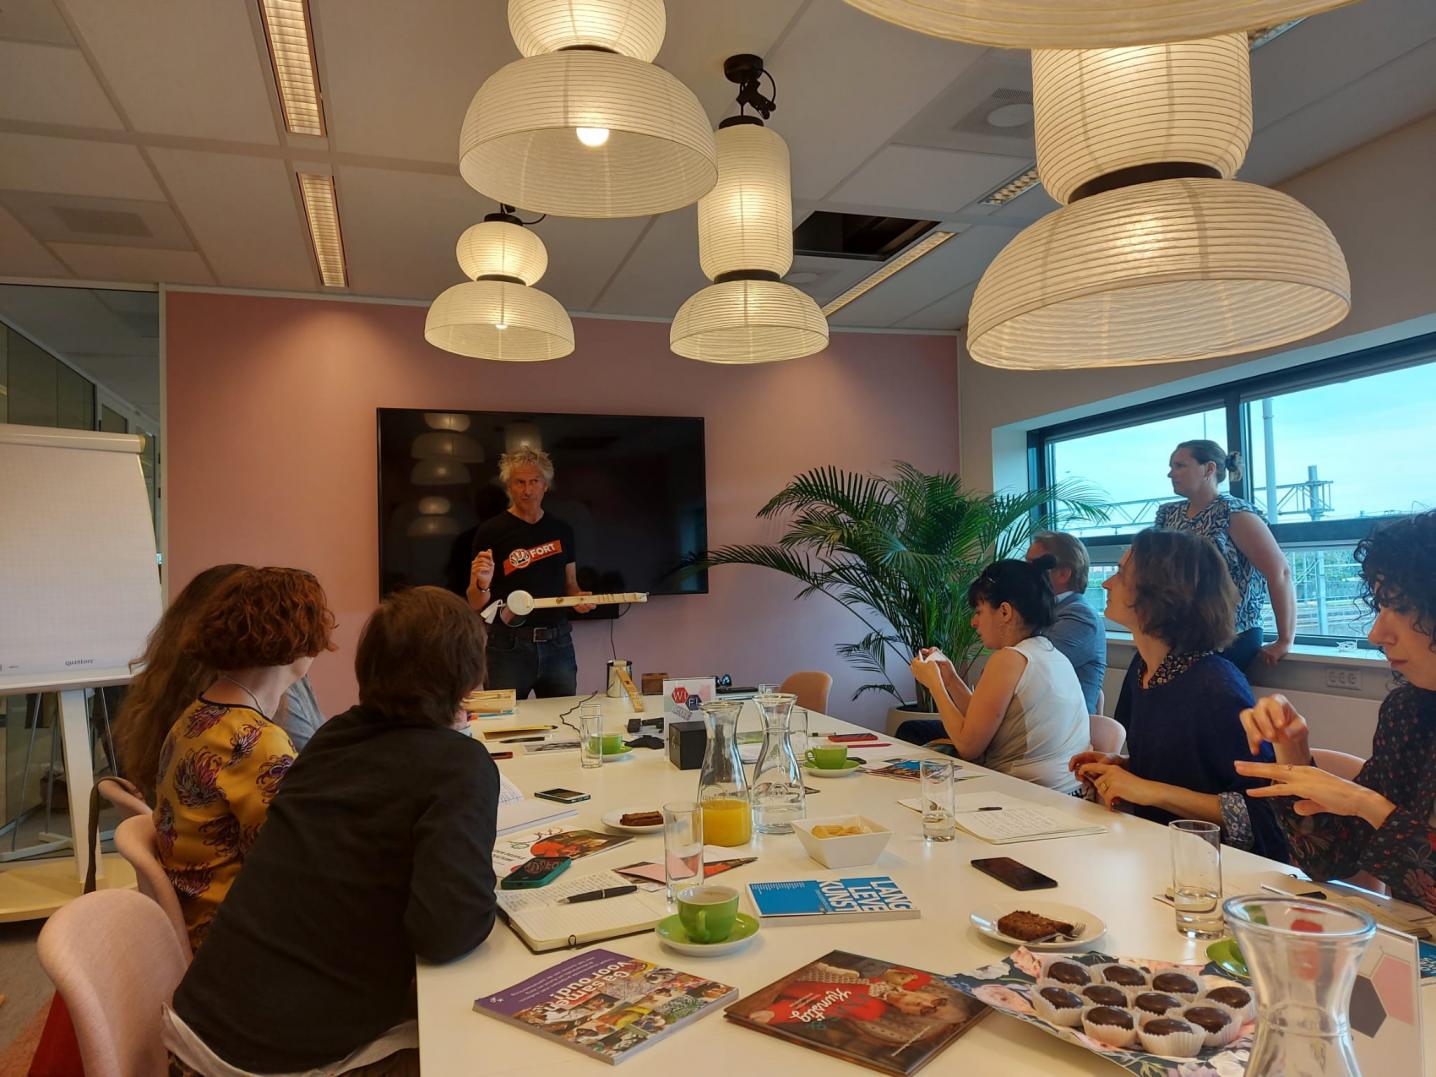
1018 876
563 796
539 871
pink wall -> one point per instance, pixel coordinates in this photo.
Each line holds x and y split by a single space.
270 430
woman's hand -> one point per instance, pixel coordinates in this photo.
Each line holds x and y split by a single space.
1317 791
1081 759
1116 785
1274 719
926 669
1274 652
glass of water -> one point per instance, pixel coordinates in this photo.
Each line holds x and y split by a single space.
1197 877
938 799
590 734
682 845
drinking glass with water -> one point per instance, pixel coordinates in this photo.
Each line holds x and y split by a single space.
1197 877
682 845
939 791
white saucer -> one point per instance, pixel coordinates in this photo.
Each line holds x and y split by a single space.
833 772
611 820
985 918
614 757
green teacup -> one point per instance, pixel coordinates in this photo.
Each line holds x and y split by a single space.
708 912
609 743
834 758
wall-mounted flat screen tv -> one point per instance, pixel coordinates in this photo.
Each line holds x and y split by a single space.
631 487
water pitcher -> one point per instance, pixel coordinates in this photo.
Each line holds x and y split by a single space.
722 785
1303 957
777 790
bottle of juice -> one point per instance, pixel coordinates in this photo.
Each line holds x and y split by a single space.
722 784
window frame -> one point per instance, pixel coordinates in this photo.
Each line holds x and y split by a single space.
1233 399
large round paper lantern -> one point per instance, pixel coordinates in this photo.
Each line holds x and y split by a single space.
1159 272
501 249
632 27
1087 24
746 221
494 319
748 321
1107 117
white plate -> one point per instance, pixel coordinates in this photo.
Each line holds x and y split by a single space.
985 920
617 757
611 820
821 772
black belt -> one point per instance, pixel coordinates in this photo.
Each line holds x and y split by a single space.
536 633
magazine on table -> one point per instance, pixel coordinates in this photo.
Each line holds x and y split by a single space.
512 850
887 1017
606 1005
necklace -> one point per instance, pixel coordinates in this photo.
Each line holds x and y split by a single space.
253 698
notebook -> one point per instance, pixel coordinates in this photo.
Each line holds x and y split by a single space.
1002 820
868 897
543 924
517 811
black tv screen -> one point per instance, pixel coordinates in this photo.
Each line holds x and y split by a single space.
631 487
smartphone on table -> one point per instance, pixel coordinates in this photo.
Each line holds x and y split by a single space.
563 796
1014 874
539 871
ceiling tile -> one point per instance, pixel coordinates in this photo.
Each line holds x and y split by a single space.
50 84
701 36
661 272
918 180
183 68
72 166
131 264
121 222
21 255
949 312
244 216
583 254
957 118
34 20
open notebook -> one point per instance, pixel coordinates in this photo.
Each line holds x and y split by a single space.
1002 820
544 924
517 811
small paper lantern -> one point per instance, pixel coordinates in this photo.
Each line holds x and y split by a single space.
748 321
501 249
633 27
746 221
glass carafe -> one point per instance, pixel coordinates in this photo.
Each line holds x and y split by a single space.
722 785
1303 957
777 790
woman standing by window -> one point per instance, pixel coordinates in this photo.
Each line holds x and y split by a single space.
1197 470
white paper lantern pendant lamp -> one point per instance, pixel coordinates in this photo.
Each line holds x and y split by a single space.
745 245
499 314
585 125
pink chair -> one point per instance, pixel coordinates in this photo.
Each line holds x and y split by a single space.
1107 734
114 960
135 840
1348 766
811 687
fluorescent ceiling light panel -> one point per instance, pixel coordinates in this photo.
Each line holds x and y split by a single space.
926 245
291 54
322 211
1019 184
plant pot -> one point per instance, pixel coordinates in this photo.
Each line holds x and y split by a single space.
908 711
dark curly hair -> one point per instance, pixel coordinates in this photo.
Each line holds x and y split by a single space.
261 617
1182 591
419 654
1022 584
1396 562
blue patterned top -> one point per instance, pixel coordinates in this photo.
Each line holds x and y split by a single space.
1214 522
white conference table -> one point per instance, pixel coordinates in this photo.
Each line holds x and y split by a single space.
1114 875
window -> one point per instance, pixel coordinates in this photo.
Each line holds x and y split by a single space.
1329 449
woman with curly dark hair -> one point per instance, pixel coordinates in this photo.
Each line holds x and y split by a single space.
1181 701
1382 821
224 757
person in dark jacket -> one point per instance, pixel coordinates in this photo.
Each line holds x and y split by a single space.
1077 630
377 850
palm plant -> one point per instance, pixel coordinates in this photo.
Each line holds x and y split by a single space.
899 553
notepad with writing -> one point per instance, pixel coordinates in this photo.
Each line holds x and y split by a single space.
537 917
1016 820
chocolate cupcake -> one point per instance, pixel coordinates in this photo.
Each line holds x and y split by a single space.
1237 999
1156 1002
1109 1025
1123 976
1058 1005
1068 972
1171 1037
1177 983
1218 1025
1104 995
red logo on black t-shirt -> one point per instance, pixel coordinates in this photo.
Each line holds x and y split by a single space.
522 558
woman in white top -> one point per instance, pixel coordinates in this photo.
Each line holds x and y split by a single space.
1027 711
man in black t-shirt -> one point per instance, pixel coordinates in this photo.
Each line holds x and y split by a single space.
527 549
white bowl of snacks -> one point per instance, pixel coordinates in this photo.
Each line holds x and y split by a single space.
843 841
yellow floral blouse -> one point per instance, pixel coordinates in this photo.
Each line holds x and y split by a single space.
219 768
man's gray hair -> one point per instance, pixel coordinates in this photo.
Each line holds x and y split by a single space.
521 456
1070 553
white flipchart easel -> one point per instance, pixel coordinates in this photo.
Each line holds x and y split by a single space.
79 583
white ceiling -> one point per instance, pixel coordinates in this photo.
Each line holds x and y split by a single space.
166 113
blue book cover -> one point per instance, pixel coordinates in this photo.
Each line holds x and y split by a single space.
866 897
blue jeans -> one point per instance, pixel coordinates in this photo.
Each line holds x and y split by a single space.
921 730
547 668
1242 650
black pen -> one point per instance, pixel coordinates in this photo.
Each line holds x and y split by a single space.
595 895
522 740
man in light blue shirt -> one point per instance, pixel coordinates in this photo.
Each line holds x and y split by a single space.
1078 631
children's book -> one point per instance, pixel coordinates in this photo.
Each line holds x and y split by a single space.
869 897
886 1017
606 1005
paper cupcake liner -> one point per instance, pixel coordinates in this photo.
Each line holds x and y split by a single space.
1111 1035
1099 974
1172 1044
1223 1036
1067 1017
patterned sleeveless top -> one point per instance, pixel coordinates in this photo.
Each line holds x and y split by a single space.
1214 522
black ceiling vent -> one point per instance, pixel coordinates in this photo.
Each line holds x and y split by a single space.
856 235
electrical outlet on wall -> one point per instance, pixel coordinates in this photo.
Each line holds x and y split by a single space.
1343 678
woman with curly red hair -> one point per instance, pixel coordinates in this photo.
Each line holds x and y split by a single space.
224 757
